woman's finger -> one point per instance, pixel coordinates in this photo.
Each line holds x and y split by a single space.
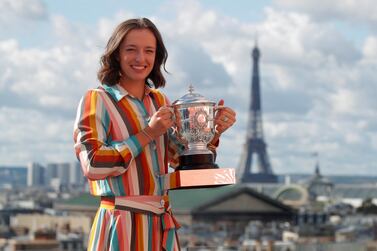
228 111
220 103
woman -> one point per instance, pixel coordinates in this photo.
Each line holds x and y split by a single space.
122 141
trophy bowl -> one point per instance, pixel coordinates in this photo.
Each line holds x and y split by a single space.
194 119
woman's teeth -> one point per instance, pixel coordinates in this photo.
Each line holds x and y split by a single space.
139 67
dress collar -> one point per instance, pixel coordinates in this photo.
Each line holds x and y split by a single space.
118 92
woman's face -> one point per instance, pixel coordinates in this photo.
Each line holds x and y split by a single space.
137 53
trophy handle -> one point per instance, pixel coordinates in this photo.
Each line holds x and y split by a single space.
175 128
180 139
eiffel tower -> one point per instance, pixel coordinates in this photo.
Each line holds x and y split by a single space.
255 166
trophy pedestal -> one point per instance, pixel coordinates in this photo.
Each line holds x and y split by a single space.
196 161
186 179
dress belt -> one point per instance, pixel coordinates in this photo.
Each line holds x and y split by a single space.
146 203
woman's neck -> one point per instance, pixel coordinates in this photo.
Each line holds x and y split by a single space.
135 88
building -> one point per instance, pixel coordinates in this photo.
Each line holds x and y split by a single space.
60 174
13 176
35 175
76 176
34 222
219 216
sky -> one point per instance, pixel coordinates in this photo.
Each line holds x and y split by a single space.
318 74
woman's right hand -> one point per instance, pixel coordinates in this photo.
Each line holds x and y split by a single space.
161 121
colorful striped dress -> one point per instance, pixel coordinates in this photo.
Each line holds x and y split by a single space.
134 213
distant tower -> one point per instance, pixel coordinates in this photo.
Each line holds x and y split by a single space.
255 165
318 185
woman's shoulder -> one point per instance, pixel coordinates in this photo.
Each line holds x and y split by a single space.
98 89
94 92
157 92
160 96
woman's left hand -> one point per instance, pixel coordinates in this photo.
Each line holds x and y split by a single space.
225 117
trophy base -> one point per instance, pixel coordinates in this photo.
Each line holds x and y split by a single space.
204 178
197 161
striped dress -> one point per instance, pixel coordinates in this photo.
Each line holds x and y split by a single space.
117 167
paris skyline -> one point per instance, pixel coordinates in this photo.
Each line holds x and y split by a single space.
317 70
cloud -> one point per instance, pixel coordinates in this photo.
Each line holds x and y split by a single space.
46 78
370 49
12 10
195 67
306 43
352 10
39 92
30 135
105 26
343 101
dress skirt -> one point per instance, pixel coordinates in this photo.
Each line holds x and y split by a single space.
124 230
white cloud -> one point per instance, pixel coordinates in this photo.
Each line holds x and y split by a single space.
29 134
353 138
105 26
293 39
343 101
351 10
25 9
50 77
370 48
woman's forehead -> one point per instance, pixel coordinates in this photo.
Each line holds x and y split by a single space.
140 37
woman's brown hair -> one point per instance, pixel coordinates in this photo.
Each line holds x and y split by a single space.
109 72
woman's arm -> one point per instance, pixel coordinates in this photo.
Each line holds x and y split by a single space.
98 158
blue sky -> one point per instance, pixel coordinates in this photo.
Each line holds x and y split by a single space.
244 10
317 67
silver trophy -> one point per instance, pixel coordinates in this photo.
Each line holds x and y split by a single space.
194 117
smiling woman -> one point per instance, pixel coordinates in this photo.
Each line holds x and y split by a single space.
122 142
125 144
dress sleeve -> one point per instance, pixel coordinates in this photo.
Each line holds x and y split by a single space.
100 159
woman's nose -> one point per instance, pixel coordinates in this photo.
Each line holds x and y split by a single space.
140 56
